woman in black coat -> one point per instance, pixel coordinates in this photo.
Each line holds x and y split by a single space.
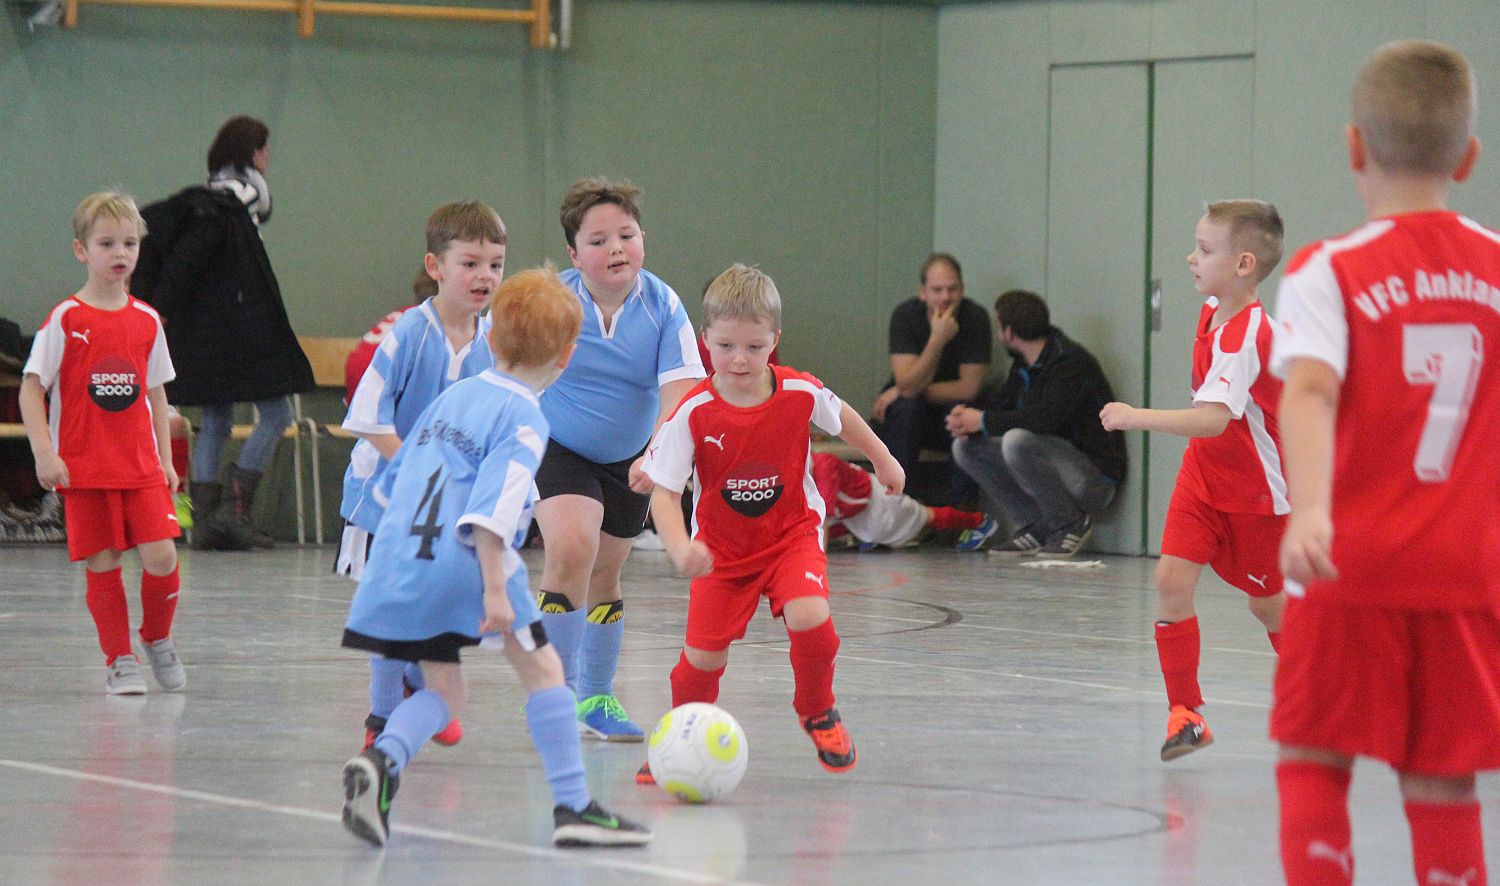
227 330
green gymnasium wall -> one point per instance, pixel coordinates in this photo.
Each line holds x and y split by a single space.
1009 142
799 136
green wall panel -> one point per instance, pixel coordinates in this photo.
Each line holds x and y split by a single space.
797 136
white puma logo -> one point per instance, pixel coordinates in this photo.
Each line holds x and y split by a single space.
1436 877
815 578
1260 581
717 441
83 335
1318 849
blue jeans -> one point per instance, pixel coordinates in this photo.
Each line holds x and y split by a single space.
1037 481
274 416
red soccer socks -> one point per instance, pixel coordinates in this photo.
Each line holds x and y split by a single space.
1177 645
106 602
158 604
1315 840
812 668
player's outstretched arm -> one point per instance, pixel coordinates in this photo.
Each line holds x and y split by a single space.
51 472
1202 420
498 613
859 435
691 557
160 418
1309 405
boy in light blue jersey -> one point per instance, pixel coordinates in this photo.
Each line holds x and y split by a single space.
637 355
444 569
433 345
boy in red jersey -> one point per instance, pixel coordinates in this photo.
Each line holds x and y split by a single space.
1229 506
95 411
742 435
1389 344
857 507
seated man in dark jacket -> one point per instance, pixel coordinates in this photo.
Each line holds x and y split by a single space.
1038 450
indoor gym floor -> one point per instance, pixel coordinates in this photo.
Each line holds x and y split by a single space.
1007 719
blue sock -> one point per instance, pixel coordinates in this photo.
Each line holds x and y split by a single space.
411 724
385 684
565 633
551 715
600 651
412 674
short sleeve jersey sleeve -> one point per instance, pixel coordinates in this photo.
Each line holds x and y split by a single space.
1310 311
1234 365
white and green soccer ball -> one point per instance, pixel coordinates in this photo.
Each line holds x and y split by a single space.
697 752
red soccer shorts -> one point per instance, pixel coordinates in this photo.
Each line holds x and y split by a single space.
1242 548
1419 689
117 519
720 607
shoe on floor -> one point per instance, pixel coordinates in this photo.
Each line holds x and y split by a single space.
595 826
166 667
643 775
648 540
978 538
835 748
369 788
1066 541
602 717
123 677
1022 544
1186 732
451 734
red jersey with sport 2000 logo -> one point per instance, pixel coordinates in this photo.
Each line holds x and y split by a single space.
751 467
1406 310
96 367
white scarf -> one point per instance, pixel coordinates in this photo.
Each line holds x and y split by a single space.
249 186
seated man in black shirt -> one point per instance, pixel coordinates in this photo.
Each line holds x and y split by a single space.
940 350
1038 450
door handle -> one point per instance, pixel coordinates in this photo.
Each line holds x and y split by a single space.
1156 304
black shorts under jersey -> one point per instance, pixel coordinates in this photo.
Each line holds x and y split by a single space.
565 472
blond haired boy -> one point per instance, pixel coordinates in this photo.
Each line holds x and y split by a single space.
95 409
443 571
1229 505
1391 417
742 435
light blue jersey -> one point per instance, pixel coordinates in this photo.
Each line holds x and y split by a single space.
413 365
469 462
604 406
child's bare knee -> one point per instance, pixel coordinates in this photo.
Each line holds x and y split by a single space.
158 558
706 659
1437 789
447 680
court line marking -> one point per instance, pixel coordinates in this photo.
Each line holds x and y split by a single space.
1149 693
967 623
557 855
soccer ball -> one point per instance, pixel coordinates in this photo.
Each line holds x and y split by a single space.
697 752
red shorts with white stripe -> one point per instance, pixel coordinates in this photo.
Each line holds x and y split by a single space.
117 519
1241 548
1419 689
720 607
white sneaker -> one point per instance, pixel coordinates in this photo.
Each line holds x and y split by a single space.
166 667
123 677
648 540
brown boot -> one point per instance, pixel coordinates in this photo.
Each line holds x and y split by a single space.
243 484
210 529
